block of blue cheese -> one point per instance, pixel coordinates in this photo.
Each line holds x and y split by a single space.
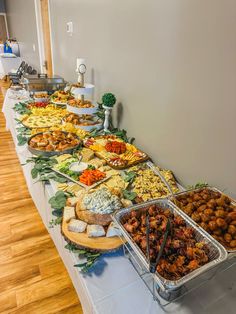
68 213
94 231
76 225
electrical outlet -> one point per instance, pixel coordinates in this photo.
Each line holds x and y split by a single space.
69 28
34 48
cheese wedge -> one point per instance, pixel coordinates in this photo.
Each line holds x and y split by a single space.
113 230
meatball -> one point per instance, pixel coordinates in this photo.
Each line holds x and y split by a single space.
221 223
220 213
208 212
233 244
196 217
228 237
212 225
232 229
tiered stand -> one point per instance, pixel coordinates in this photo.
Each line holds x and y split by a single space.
84 90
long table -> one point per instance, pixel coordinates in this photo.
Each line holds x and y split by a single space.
113 285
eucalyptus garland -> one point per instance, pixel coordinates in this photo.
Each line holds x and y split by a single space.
89 257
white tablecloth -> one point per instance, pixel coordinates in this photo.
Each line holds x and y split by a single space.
8 64
114 286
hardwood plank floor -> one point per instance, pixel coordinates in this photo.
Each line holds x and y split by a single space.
33 279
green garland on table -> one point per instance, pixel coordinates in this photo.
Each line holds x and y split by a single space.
22 108
198 185
58 202
42 169
90 257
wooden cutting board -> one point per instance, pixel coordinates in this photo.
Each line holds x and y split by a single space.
81 240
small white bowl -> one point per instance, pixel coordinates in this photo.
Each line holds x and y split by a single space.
79 166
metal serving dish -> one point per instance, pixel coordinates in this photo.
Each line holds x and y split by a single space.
51 153
233 202
217 253
42 82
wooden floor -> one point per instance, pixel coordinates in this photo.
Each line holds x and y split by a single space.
33 278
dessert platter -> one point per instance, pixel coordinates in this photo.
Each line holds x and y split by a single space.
117 153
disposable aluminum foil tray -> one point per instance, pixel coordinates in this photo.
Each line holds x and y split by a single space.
233 202
34 83
217 253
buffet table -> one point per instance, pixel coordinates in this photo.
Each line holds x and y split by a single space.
113 285
8 64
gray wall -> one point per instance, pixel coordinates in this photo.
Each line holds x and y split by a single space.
22 26
2 6
172 65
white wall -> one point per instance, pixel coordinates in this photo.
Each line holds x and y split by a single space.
172 65
22 26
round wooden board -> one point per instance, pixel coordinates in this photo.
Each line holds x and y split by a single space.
81 240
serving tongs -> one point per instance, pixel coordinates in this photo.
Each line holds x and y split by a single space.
157 172
153 265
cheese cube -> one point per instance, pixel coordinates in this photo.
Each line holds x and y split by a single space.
94 231
77 225
68 213
72 200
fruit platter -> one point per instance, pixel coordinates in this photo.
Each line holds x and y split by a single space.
53 143
82 173
117 153
61 97
212 210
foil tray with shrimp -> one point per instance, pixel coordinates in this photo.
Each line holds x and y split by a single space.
188 251
52 143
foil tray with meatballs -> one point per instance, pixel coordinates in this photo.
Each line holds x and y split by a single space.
188 252
212 210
